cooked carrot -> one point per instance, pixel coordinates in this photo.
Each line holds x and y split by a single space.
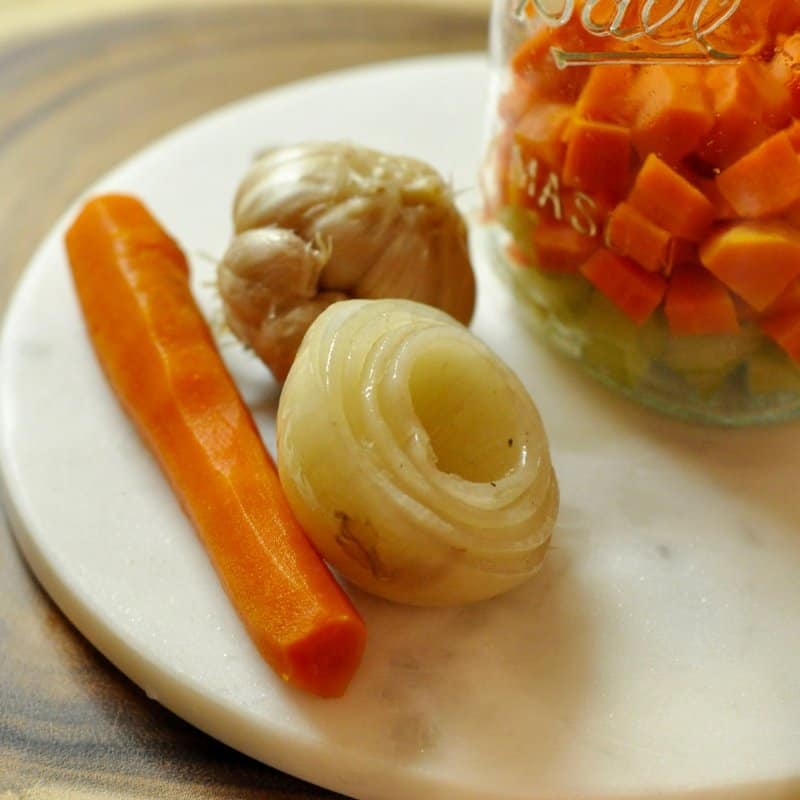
784 329
630 233
793 132
787 301
157 352
598 158
771 91
723 210
673 113
671 201
764 182
784 16
539 134
604 97
739 115
697 304
533 61
756 259
559 247
784 68
518 98
635 291
746 32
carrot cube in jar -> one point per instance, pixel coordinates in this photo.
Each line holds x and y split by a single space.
671 201
673 115
764 182
598 158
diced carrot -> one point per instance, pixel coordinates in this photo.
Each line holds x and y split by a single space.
681 253
635 291
764 182
671 201
792 215
539 134
605 97
793 132
630 233
723 210
598 158
785 67
739 115
697 304
784 17
559 247
756 259
533 62
788 300
158 354
770 90
747 30
518 98
784 329
673 115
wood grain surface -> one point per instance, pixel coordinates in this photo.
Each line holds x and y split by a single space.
73 102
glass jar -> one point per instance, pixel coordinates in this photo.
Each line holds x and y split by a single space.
642 194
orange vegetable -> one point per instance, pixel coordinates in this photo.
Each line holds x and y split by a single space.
747 31
635 291
764 182
740 113
605 95
671 201
516 100
673 114
559 247
784 329
697 304
784 68
533 61
160 359
787 301
770 91
539 134
757 259
630 233
598 158
784 16
723 210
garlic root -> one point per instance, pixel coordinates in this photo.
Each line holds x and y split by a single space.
413 457
320 222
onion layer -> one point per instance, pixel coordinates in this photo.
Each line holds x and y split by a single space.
413 456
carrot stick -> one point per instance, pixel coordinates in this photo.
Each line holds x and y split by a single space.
156 350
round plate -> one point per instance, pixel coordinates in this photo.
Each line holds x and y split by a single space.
657 651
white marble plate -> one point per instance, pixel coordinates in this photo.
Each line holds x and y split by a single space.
657 653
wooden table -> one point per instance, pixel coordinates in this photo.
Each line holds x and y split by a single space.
76 96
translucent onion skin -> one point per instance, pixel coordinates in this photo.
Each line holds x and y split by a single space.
413 456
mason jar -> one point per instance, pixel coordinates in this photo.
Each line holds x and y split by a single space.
642 194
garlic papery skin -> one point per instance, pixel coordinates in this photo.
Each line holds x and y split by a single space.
413 456
379 225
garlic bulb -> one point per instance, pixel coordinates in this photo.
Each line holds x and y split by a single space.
350 222
414 458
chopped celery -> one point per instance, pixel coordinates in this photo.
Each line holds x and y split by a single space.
615 345
771 371
706 362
